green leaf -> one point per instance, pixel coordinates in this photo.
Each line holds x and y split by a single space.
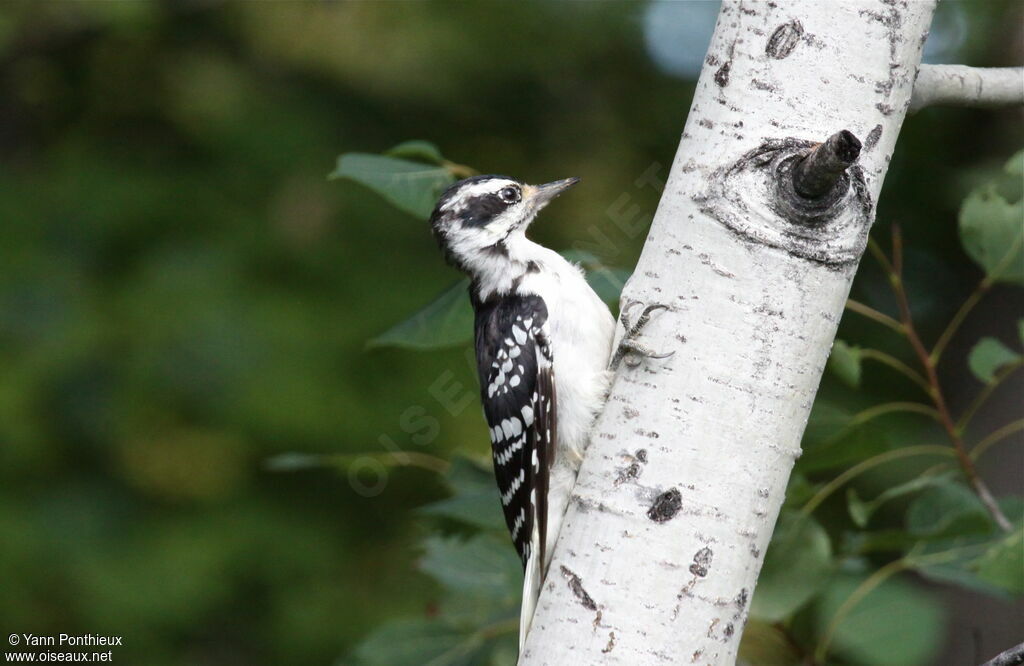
505 651
474 497
582 257
446 321
417 150
880 541
992 233
826 419
861 510
295 461
608 282
482 578
895 624
845 362
469 475
948 510
764 644
1003 564
964 540
857 508
797 565
832 438
988 356
1020 330
410 186
414 643
1015 165
484 565
603 279
799 491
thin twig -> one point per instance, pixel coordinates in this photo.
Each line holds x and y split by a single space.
995 437
459 170
879 255
868 585
872 413
396 458
874 461
898 366
473 641
871 313
958 318
862 590
983 288
990 387
945 418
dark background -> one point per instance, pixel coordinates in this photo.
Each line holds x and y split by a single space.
183 294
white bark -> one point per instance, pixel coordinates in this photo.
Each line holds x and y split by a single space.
687 468
959 85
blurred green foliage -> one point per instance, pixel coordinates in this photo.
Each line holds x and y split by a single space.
184 296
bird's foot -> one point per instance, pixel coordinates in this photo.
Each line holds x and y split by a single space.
629 349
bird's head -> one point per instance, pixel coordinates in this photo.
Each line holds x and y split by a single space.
480 220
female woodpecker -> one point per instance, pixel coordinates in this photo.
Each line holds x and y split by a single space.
543 343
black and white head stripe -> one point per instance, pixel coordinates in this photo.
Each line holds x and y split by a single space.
476 201
514 360
474 217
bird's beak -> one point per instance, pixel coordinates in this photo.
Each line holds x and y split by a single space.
541 195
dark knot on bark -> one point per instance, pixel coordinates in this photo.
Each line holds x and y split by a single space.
757 196
822 168
812 182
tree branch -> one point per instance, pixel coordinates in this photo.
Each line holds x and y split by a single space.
1011 657
983 287
871 463
871 313
959 85
898 366
986 392
996 437
945 417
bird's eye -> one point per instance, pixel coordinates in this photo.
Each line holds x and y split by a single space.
509 194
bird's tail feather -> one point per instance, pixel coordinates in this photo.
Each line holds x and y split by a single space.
532 579
562 479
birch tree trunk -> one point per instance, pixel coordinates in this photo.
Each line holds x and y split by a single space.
754 251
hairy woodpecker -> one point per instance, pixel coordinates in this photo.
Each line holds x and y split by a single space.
543 344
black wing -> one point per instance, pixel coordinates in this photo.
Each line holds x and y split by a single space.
517 389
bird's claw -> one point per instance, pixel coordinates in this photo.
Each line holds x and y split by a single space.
629 349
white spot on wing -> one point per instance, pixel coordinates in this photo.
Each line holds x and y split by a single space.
502 457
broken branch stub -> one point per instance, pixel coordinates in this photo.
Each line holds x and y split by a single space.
757 197
818 173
